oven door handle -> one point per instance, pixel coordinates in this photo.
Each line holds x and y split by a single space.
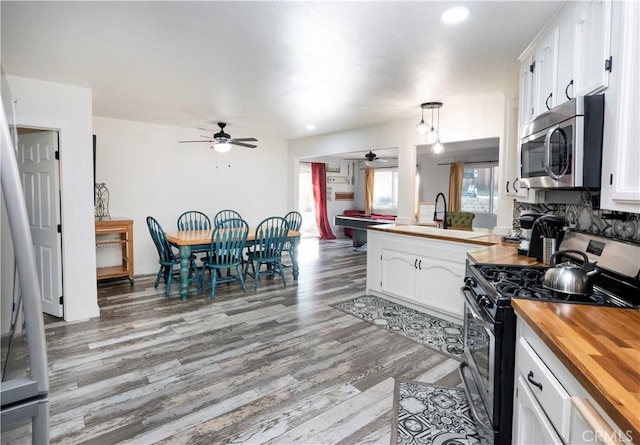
472 406
472 305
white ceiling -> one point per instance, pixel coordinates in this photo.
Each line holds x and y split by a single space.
269 68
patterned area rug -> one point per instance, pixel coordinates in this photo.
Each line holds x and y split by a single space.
442 335
428 414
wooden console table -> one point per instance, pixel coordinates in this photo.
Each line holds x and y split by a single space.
122 228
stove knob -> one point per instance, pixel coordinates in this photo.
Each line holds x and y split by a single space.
485 301
470 282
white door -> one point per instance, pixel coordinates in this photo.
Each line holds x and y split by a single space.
39 170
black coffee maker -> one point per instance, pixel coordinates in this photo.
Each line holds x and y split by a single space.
546 226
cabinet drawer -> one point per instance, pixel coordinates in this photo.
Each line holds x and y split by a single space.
553 398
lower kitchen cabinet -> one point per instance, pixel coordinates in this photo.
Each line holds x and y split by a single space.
424 272
550 405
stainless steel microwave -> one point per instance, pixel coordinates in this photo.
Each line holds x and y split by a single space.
562 148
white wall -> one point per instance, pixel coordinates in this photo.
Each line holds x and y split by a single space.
68 109
471 118
148 173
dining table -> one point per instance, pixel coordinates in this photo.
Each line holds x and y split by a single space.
193 240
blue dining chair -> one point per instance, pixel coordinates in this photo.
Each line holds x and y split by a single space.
225 214
225 252
167 258
193 220
270 237
294 219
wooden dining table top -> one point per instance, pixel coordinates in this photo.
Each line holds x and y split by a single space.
197 237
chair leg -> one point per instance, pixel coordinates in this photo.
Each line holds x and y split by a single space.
214 279
201 278
158 277
281 270
256 277
241 278
168 289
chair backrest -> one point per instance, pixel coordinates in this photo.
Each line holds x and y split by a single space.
460 219
271 235
227 242
231 222
193 220
225 214
165 253
294 219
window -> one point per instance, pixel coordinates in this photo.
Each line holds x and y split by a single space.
385 188
480 189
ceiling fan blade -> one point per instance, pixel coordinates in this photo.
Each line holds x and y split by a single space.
206 129
208 140
235 142
245 139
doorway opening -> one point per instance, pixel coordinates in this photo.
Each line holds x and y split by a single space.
306 203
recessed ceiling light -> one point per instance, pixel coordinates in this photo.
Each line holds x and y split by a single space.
456 14
310 127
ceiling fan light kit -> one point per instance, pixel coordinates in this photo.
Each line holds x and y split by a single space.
221 147
222 141
433 134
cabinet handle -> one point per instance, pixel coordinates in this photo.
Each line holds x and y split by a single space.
533 382
513 186
420 265
415 263
508 186
546 102
601 428
566 90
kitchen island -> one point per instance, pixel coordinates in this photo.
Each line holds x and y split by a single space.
423 266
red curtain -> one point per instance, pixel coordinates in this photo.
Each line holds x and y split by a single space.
319 181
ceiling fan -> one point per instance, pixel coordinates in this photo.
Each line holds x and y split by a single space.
371 157
222 141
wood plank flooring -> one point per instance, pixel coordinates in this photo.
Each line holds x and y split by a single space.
274 366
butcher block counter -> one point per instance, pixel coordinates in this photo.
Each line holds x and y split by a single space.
600 346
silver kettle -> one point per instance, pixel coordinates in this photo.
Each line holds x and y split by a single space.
569 278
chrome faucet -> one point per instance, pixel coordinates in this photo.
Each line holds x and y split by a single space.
435 210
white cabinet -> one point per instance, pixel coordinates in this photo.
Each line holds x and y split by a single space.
530 423
526 89
539 76
550 405
565 89
570 57
592 46
424 272
509 163
546 72
621 151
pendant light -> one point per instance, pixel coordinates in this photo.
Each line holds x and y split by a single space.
421 126
433 134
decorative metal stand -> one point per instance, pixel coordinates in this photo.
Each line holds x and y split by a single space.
102 200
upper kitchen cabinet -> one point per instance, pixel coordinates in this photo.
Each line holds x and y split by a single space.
621 151
539 76
592 46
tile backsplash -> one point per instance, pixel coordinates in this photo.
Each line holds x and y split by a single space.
584 217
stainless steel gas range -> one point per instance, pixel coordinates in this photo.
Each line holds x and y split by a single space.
490 322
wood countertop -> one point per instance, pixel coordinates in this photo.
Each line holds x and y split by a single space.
494 251
600 346
481 237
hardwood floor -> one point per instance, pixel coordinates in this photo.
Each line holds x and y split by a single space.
277 366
